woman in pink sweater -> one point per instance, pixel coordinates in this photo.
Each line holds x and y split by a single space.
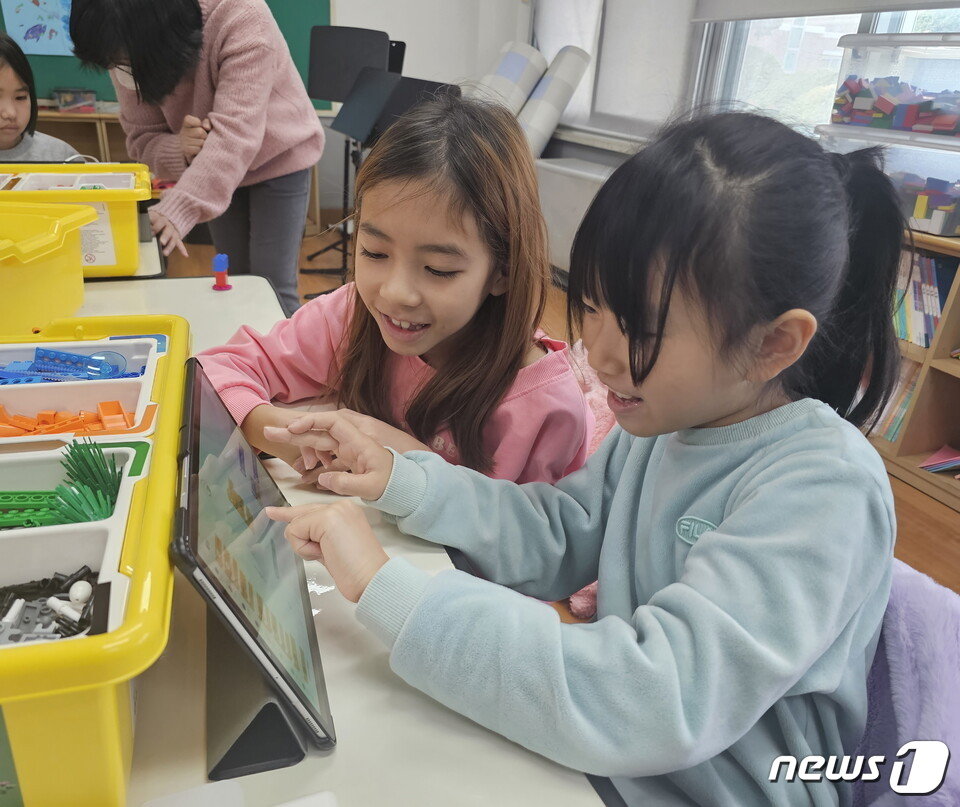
436 342
209 96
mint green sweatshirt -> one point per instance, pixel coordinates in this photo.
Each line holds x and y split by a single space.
744 571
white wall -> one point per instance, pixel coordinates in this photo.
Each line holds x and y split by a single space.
447 40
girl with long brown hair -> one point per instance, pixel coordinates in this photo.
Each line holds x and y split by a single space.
435 345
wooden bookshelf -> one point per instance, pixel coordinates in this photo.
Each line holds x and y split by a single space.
933 416
911 351
96 134
936 243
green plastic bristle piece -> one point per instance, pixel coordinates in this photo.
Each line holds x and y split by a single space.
77 503
86 464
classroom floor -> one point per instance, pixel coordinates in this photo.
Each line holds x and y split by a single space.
928 532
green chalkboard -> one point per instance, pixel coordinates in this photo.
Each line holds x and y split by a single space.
295 18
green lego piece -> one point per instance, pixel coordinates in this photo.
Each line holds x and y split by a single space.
26 499
40 517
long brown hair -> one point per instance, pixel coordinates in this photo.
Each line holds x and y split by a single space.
476 155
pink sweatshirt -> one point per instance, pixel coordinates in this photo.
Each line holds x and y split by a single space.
263 124
540 431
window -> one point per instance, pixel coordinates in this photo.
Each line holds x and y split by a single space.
785 67
788 67
930 21
650 60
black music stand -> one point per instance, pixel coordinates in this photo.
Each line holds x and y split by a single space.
397 51
377 99
337 55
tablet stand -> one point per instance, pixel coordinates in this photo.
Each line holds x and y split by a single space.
249 730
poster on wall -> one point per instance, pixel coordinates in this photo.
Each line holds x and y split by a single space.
40 27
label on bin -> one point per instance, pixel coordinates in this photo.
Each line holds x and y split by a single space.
96 239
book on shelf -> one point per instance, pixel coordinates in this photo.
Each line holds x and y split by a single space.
946 459
923 283
891 419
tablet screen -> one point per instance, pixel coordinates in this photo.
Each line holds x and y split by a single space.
245 554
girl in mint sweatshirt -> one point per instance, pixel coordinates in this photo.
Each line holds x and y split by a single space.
734 285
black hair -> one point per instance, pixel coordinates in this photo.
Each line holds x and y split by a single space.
12 55
159 39
752 219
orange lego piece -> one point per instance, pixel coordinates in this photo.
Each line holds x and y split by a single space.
6 430
23 422
91 427
107 408
114 422
46 417
61 416
62 426
128 416
89 417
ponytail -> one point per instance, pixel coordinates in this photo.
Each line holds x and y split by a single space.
855 349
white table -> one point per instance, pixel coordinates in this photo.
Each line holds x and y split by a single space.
395 746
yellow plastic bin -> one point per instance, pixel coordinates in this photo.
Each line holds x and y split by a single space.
66 707
111 243
41 277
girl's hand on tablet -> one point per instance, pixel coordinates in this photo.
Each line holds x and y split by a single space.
265 415
340 537
352 462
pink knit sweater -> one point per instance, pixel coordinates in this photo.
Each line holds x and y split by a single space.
263 124
539 432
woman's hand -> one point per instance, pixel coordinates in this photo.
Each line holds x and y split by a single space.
340 537
353 463
170 238
193 134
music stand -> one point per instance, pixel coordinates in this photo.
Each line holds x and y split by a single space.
337 55
407 94
397 51
376 100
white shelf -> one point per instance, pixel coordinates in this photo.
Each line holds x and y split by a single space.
898 40
892 137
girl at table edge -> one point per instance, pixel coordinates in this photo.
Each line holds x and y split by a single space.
734 283
210 97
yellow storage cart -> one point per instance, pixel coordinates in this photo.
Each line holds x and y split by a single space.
66 706
111 243
40 271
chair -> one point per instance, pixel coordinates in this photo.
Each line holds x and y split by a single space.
913 689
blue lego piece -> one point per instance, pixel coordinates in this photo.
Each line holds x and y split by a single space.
19 367
160 338
106 364
27 379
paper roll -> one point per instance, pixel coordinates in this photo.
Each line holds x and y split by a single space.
541 113
513 78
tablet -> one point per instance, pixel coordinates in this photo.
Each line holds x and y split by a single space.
239 560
